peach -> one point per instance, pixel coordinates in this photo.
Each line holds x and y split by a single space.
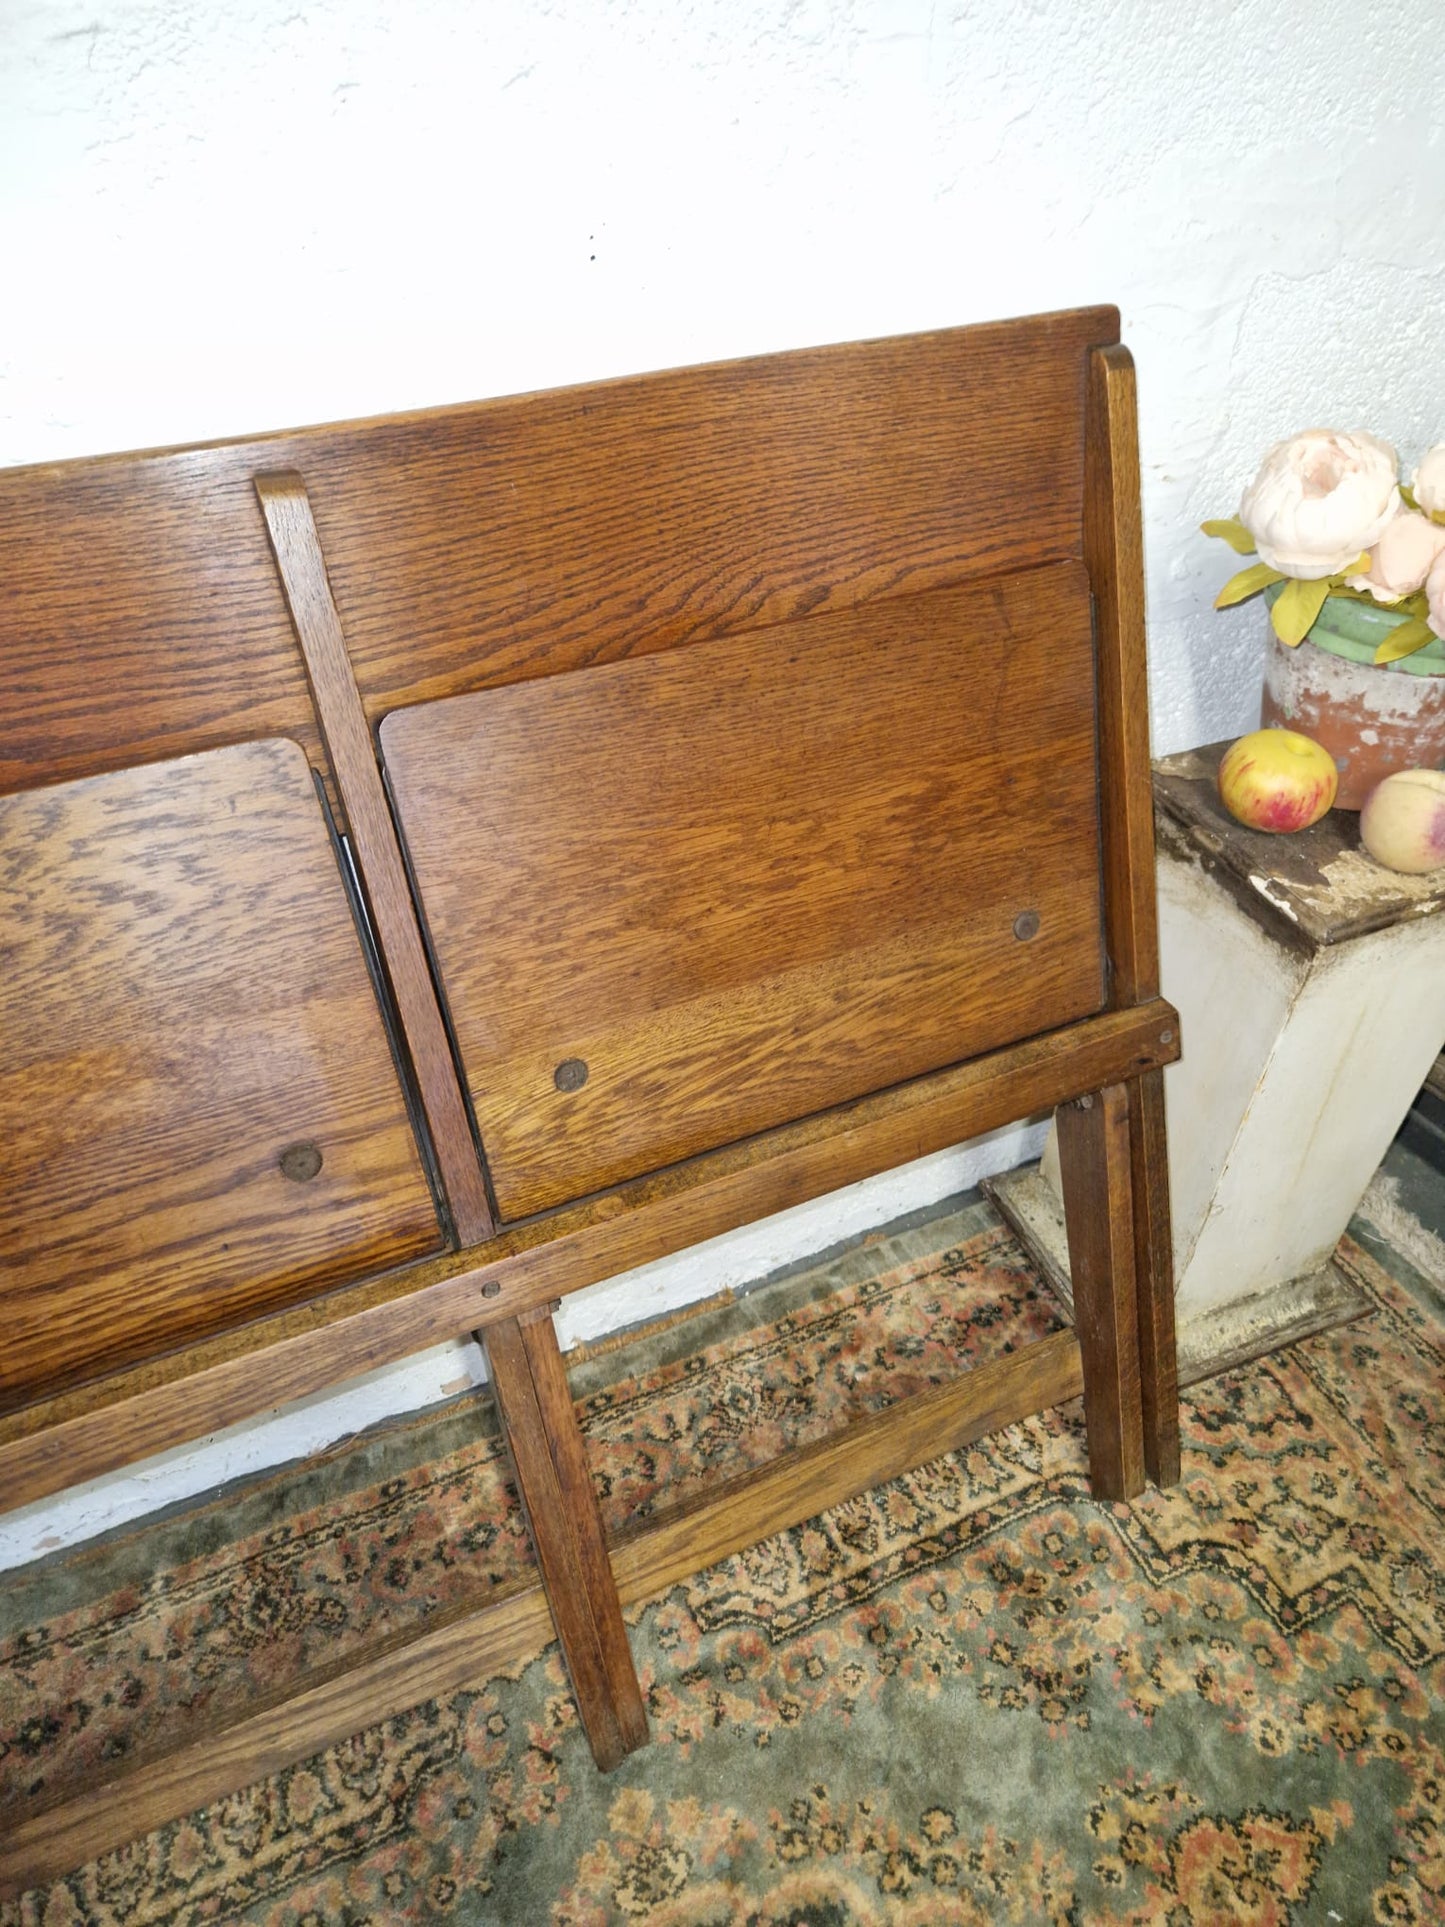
1277 780
1403 822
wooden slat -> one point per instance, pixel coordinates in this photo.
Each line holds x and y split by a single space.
199 1109
1154 1278
473 1643
554 1483
59 1441
477 545
302 566
870 1451
1113 546
538 1420
462 1649
737 883
1094 1169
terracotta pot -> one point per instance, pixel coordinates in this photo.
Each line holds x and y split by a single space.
1372 720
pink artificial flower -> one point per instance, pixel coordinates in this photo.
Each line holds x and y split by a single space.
1429 483
1320 500
1402 558
1435 595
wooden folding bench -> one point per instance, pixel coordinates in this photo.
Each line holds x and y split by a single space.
448 860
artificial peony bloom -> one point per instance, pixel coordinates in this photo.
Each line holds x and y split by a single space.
1402 558
1319 500
1429 482
1435 596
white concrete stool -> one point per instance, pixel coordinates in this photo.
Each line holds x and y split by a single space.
1311 988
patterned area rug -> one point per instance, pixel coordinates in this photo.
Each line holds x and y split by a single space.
972 1695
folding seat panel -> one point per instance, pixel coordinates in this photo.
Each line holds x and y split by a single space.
675 900
201 1115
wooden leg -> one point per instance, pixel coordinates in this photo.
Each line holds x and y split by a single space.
1094 1166
554 1481
1154 1278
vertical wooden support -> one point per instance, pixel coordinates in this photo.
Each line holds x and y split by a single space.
1094 1163
1113 551
297 548
528 1377
549 1459
1154 1277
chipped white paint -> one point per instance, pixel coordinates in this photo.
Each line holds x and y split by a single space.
1383 1207
1306 677
1267 888
217 218
1352 886
1364 1024
1297 1070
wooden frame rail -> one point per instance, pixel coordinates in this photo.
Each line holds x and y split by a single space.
79 1435
471 1641
1114 552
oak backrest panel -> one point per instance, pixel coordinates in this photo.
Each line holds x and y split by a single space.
473 546
141 617
184 1001
749 879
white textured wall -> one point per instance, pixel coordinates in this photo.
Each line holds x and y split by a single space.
232 215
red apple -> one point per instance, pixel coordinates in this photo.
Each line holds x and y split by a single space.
1403 822
1278 780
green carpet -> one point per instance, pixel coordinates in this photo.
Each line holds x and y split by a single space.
972 1695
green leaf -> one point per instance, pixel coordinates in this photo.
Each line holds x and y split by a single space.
1295 609
1231 531
1339 582
1405 640
1407 496
1247 583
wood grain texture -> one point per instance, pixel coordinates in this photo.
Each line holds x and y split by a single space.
554 1482
1094 1166
469 1641
750 879
141 617
56 1441
516 538
1113 547
456 1651
745 726
185 1000
302 566
1154 1278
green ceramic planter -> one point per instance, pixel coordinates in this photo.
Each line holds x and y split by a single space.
1355 630
1373 720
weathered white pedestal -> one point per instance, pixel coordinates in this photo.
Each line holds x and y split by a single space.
1311 988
